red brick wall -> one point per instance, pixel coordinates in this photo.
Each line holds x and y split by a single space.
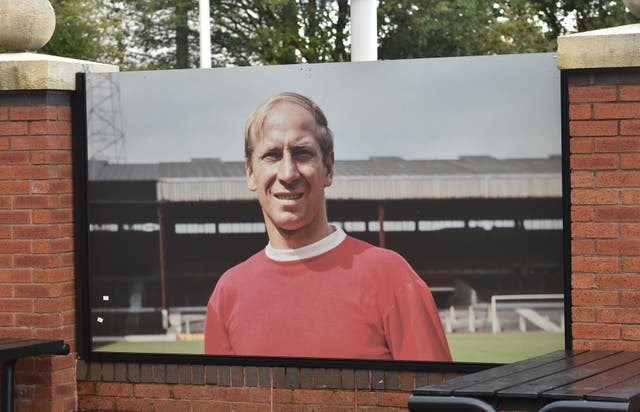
223 388
37 287
604 127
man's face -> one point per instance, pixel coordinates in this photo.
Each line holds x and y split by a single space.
289 175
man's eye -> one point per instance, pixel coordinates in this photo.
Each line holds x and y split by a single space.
303 155
271 156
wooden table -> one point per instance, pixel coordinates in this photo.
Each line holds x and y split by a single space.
562 381
14 349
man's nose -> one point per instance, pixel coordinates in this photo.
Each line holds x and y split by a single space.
288 169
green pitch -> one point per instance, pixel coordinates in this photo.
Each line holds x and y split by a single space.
180 347
503 347
465 347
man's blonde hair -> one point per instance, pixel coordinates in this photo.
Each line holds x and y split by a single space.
255 124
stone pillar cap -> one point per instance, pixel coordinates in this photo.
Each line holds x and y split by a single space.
604 48
33 71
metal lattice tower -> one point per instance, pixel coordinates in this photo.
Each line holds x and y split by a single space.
105 134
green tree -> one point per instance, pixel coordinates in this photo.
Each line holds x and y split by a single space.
279 31
162 34
520 28
159 34
558 15
426 28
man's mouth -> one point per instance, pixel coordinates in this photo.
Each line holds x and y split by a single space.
288 196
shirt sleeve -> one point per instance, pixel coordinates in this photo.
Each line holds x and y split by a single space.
412 325
216 336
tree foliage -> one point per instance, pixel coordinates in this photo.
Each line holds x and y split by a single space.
294 31
162 34
426 28
587 15
279 31
159 34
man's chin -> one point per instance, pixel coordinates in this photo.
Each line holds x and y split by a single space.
290 223
290 227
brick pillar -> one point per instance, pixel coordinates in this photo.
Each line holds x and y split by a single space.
602 69
37 277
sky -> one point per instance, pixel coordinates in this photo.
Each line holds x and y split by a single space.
440 108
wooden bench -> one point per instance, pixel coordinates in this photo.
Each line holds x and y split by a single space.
562 381
14 349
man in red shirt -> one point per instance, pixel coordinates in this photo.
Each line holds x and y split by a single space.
314 291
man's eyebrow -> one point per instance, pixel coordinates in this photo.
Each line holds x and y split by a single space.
301 146
271 148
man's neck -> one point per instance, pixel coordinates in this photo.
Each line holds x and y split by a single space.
293 239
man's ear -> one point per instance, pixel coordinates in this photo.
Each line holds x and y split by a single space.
328 164
251 180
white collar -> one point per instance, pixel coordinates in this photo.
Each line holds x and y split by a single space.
315 249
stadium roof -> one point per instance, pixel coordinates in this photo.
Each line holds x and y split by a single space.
374 178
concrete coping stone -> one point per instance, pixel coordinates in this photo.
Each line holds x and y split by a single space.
34 71
613 47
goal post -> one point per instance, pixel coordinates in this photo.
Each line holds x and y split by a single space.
495 322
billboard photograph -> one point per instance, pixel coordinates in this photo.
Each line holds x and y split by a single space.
442 193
